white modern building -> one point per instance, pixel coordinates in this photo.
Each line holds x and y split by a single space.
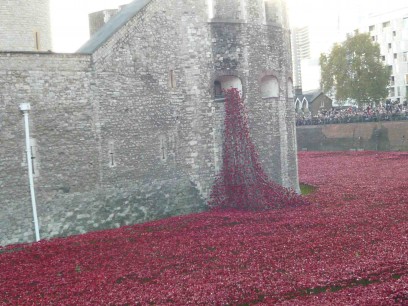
308 42
390 31
300 52
328 22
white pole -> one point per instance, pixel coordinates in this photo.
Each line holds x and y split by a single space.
25 108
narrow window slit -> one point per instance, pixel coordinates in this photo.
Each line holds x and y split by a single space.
163 149
112 160
37 41
172 79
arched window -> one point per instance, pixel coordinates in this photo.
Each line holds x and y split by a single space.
290 88
305 105
297 105
269 87
226 82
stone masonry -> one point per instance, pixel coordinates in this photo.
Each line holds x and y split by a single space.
129 129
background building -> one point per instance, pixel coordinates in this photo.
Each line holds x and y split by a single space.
300 52
390 31
312 102
327 23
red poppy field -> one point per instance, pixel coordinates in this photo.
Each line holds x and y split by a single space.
349 247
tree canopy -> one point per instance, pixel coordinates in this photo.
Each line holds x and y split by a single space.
353 70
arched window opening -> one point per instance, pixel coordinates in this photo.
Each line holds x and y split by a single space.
269 87
226 82
305 105
297 105
290 88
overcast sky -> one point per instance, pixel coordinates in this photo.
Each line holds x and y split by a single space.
330 20
70 17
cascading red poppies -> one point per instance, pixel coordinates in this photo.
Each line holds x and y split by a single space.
242 183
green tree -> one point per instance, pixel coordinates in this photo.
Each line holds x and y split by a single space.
354 71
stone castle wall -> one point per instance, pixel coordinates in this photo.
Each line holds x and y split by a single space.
57 86
76 186
25 25
132 132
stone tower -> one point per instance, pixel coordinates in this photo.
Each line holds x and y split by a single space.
25 25
251 51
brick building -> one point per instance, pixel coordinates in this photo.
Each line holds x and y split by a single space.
313 102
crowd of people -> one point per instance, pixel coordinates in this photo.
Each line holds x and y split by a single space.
387 111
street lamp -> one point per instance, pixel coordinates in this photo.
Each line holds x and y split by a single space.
25 108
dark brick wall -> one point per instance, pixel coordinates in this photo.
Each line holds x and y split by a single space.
322 103
384 136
